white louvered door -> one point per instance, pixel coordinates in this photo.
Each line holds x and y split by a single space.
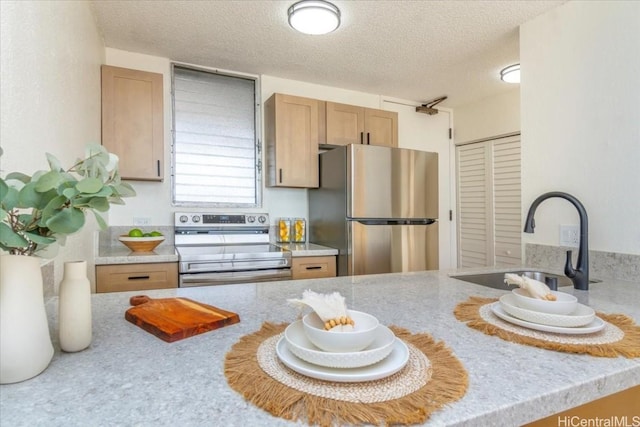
489 212
506 202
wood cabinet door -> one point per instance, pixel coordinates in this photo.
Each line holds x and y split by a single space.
381 127
345 124
292 129
133 122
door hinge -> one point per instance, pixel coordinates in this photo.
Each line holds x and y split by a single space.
450 215
450 133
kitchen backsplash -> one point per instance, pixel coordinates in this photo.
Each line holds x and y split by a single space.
109 237
602 265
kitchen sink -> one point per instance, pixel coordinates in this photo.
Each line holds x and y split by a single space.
496 280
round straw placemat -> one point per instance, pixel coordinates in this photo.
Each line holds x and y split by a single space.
619 337
432 378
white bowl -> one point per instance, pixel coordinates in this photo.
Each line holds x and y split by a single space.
299 345
363 334
583 315
564 303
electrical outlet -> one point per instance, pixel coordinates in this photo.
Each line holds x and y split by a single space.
141 220
570 236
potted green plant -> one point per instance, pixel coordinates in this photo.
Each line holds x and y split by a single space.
35 212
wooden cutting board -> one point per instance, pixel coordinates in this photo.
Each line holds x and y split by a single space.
172 319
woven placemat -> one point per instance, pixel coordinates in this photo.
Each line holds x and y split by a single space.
619 337
432 378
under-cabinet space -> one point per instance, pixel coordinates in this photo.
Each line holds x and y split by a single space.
313 267
136 277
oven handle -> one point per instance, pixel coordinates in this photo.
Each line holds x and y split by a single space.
231 277
236 265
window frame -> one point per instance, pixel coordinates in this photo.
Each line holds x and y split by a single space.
257 140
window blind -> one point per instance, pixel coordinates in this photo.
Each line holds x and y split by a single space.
215 155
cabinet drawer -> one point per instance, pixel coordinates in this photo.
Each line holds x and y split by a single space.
313 267
136 277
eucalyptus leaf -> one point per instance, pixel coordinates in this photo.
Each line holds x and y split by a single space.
48 181
10 200
52 207
28 196
3 214
101 204
66 221
101 222
4 188
115 200
54 163
124 189
18 176
104 192
10 238
70 192
89 185
40 240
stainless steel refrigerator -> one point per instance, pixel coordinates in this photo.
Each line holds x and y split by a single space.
379 207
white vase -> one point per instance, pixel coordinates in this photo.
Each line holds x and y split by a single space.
25 343
74 307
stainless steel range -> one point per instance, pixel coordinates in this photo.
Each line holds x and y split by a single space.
220 249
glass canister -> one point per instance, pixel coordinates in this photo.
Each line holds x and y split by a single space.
299 230
284 230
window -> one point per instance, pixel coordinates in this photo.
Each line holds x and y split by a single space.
216 151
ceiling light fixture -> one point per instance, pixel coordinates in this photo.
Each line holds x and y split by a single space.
314 16
511 74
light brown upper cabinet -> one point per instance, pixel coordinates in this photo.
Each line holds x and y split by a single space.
292 133
350 124
132 121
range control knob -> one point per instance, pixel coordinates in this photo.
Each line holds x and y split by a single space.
262 219
195 218
251 218
183 218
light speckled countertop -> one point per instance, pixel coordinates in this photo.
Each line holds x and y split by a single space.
129 377
117 253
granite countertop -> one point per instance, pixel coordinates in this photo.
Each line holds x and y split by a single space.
117 253
307 249
129 377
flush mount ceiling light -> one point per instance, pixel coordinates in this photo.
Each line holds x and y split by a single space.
511 74
314 16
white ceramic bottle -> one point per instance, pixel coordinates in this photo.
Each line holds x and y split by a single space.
74 308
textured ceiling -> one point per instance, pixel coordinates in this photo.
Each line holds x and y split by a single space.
414 50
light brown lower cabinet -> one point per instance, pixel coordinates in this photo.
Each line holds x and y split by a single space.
621 406
313 267
136 277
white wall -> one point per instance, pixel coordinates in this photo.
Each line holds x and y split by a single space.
488 117
581 120
50 85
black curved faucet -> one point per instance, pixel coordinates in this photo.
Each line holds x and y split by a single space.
580 275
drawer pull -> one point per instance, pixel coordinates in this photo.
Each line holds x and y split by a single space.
314 267
147 277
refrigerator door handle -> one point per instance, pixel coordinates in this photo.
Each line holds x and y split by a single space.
424 221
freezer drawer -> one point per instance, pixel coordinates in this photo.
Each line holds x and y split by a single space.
378 249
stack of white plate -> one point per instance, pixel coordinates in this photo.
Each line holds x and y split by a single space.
385 356
582 320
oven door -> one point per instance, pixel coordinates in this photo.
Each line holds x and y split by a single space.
233 277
